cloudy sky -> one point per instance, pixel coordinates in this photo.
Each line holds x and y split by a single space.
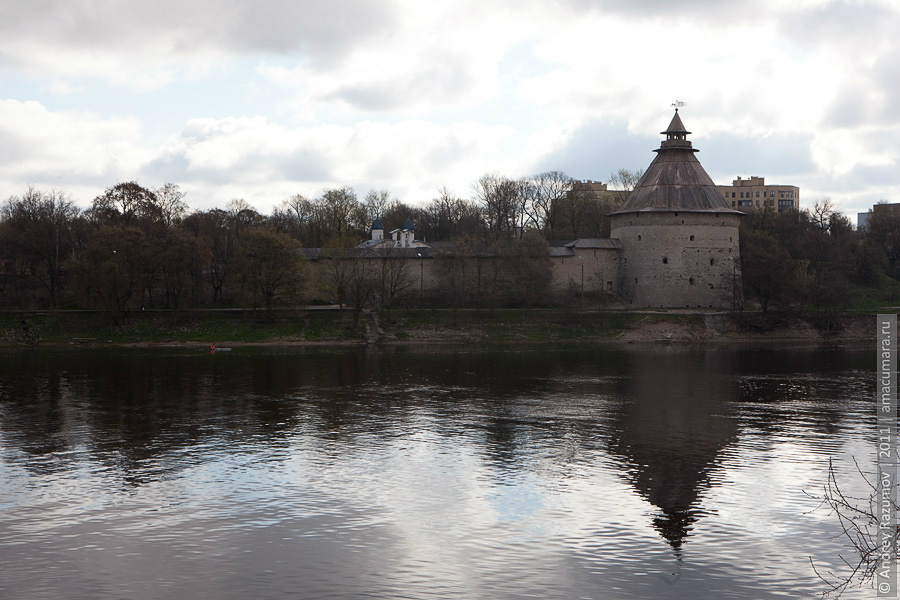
260 100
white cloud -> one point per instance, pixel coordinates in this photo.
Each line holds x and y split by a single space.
60 87
409 95
38 143
145 45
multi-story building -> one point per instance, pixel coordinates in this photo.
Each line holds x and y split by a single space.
599 191
753 193
862 219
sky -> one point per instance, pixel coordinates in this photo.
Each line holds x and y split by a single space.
265 99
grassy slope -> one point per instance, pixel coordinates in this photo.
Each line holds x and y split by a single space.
249 327
464 326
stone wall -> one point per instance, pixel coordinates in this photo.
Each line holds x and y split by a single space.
590 270
673 259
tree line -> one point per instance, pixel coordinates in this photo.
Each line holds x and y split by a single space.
814 260
137 247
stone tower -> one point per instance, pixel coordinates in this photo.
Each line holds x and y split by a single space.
679 237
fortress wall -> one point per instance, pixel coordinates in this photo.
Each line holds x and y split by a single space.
679 259
597 268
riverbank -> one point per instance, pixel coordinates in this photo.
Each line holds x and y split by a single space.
559 326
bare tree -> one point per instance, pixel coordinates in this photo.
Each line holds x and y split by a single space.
543 199
861 526
448 216
39 230
376 202
624 181
392 274
172 207
822 212
500 201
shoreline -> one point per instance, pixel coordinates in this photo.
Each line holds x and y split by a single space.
405 327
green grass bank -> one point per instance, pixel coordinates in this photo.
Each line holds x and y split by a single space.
226 327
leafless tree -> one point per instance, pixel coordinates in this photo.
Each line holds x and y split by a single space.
38 228
376 202
500 201
172 207
544 197
861 527
392 274
624 181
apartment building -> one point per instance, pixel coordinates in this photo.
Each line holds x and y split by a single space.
751 194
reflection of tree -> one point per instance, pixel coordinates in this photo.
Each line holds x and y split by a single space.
671 427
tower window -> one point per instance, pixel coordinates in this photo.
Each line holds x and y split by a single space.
712 261
665 260
692 238
691 281
639 237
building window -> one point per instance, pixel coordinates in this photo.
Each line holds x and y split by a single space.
757 193
771 194
742 194
781 194
732 203
732 194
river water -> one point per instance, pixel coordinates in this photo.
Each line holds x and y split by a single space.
633 471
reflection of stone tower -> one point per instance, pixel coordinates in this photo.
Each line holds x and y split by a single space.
672 430
678 235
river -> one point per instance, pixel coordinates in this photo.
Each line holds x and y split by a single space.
637 471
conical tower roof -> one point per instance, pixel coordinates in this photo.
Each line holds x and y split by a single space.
675 180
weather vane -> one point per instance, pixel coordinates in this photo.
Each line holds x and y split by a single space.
677 104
